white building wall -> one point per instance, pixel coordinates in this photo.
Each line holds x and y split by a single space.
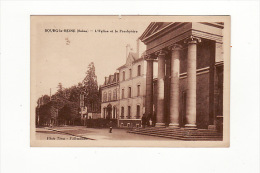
106 102
133 82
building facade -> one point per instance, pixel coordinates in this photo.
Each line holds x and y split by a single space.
124 93
189 86
132 91
110 97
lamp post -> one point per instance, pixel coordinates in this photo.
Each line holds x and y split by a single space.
81 104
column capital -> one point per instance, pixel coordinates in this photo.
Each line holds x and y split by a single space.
175 47
161 53
148 57
192 40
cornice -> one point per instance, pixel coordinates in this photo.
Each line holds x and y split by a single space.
109 85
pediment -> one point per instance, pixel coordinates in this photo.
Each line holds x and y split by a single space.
153 28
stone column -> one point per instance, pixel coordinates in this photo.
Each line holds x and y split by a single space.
149 87
175 88
191 82
160 90
167 83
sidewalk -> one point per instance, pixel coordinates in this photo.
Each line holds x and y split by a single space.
101 134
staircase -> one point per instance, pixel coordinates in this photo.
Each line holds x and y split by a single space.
180 133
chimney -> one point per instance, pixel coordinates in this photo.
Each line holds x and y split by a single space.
138 47
114 80
127 50
105 80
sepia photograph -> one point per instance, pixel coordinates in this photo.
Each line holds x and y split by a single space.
130 81
129 86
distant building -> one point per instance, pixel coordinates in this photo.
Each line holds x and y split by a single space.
110 97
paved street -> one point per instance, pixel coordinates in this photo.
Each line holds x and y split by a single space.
83 133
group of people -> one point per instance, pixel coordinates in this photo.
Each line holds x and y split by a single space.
148 121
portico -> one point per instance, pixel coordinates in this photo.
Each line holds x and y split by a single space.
190 52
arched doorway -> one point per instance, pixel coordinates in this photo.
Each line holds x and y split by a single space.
109 111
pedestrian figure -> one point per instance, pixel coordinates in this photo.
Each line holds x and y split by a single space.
150 122
110 127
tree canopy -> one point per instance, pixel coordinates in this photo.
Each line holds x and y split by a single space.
90 85
66 100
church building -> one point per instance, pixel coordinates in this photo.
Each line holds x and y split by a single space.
189 86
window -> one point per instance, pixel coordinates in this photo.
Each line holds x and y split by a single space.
138 90
123 93
109 96
139 70
129 92
138 111
122 112
123 75
114 94
105 97
130 73
114 112
129 112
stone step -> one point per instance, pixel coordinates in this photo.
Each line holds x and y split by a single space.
182 130
183 138
181 133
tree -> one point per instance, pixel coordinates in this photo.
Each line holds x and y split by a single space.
65 101
43 100
60 90
90 86
74 92
64 115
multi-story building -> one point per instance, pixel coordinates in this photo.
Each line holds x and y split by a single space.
132 91
110 97
123 94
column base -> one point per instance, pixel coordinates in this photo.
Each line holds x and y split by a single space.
159 125
190 126
212 127
174 126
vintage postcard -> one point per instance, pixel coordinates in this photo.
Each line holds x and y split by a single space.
130 81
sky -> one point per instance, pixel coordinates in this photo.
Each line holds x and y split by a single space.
63 56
